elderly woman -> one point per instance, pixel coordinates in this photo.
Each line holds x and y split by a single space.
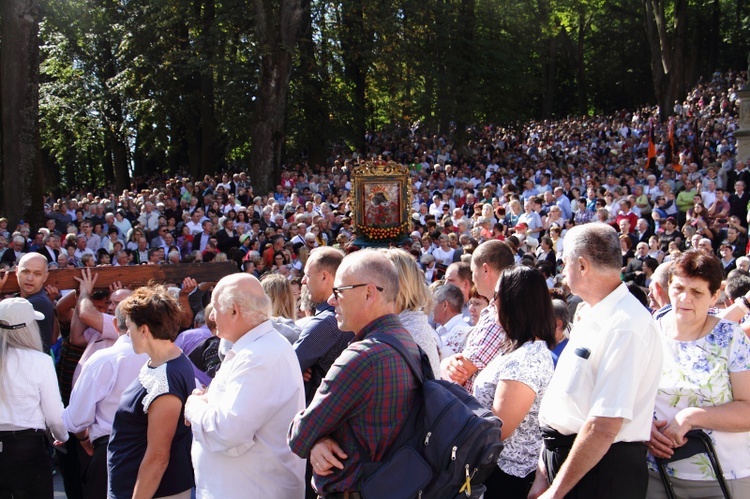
149 447
477 303
414 303
705 383
29 403
513 384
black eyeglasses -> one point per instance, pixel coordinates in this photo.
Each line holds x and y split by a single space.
337 290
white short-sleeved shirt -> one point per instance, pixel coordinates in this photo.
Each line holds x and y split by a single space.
531 364
620 376
696 374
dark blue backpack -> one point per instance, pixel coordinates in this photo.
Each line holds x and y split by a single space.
448 446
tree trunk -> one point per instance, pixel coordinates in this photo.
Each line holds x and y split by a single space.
581 63
668 58
277 30
22 181
208 125
313 107
356 44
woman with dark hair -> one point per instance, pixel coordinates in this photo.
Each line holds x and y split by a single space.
546 252
513 384
705 383
670 234
149 447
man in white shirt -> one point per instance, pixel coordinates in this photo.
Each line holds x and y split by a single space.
452 329
149 217
598 408
240 424
95 399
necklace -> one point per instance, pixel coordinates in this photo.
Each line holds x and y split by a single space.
692 336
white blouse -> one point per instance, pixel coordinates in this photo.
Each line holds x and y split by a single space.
31 397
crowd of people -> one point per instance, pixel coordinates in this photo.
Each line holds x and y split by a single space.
585 279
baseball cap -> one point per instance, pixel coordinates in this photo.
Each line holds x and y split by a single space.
16 313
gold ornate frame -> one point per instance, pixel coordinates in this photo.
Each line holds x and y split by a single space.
380 181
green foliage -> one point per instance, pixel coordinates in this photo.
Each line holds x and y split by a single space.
174 83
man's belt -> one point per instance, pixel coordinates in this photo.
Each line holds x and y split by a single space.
21 433
343 495
553 439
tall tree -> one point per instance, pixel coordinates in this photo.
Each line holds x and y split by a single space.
277 26
667 38
19 98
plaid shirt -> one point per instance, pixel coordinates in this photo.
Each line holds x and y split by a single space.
361 404
484 342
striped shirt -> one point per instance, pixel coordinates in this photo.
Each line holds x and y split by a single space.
484 342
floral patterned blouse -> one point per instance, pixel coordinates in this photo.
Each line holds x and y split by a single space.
696 374
531 364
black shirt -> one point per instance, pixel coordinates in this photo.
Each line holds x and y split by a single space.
128 440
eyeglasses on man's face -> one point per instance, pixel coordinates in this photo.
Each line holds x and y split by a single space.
337 290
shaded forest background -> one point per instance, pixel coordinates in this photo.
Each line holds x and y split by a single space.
128 88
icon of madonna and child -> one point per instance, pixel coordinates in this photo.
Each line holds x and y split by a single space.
381 204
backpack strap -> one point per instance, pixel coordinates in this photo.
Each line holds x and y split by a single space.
422 371
411 422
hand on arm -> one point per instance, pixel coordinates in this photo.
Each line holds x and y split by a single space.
460 369
733 416
326 455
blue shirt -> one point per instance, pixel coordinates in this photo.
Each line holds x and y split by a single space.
319 345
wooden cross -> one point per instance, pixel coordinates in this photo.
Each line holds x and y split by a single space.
134 275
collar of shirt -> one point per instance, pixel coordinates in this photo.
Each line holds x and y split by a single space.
456 322
249 337
606 307
323 307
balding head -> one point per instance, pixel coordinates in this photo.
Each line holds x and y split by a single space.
31 274
658 294
240 304
366 287
116 297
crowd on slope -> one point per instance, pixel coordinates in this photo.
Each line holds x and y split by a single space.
587 202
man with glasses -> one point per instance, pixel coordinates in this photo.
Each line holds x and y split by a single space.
367 394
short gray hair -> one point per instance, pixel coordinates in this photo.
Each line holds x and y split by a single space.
597 242
381 272
120 319
451 294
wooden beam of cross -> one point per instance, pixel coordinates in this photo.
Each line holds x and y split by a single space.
134 275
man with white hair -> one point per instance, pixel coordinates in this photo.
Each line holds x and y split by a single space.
240 423
598 408
149 218
15 251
